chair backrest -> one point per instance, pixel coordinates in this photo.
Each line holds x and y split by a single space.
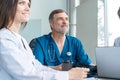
32 43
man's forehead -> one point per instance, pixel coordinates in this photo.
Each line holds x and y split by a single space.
63 14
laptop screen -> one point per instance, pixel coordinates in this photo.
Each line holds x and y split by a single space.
108 62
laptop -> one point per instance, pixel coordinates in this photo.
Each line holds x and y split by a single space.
108 62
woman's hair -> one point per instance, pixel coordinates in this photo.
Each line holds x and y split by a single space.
7 12
56 11
118 12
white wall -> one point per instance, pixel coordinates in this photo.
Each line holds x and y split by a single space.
87 26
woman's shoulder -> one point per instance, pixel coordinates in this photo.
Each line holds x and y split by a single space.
5 33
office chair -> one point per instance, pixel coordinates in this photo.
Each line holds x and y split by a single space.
32 43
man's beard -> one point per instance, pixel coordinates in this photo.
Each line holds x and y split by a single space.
61 30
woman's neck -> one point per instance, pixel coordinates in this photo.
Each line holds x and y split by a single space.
15 27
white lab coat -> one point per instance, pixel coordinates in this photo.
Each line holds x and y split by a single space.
18 63
4 75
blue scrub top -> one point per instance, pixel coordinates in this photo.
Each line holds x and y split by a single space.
47 52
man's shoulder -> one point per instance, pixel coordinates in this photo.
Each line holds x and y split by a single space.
118 38
43 37
72 37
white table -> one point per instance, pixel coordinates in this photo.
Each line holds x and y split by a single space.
92 78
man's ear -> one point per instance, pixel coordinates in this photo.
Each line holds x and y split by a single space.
51 24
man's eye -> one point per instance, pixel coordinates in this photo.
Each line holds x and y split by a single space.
67 19
60 18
